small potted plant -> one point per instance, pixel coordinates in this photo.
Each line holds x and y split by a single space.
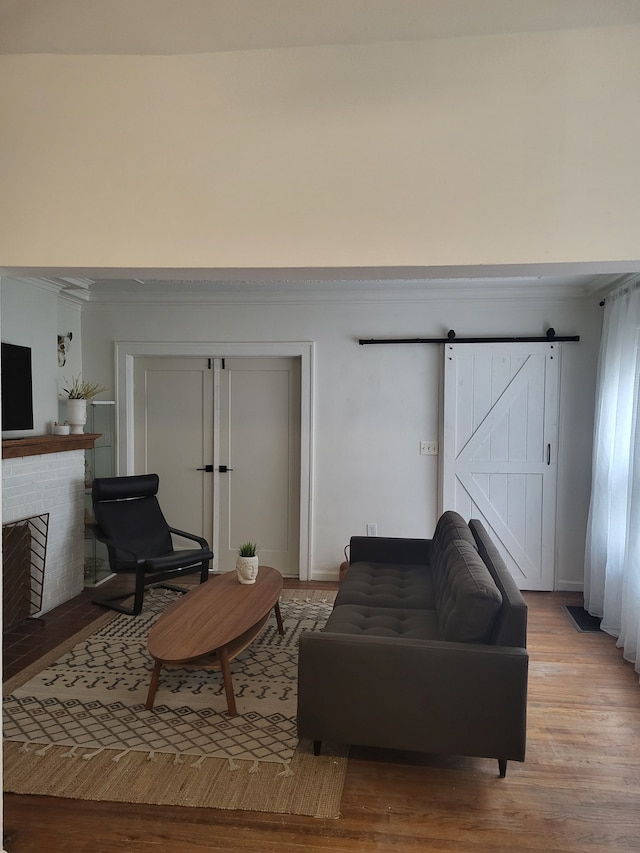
247 563
78 392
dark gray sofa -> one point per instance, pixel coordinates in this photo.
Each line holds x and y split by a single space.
425 650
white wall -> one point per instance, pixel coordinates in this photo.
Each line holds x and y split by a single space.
28 316
373 404
505 149
32 315
70 321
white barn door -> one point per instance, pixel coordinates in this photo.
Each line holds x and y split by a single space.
499 446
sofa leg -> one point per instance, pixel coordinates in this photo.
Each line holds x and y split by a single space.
316 747
502 766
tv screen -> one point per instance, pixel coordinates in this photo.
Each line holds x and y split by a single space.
17 393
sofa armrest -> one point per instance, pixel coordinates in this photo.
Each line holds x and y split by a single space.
387 549
429 696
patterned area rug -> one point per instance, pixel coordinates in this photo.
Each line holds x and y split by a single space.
79 728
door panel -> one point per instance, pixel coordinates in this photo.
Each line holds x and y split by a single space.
174 437
500 440
260 442
254 407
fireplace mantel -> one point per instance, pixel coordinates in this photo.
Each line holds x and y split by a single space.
35 445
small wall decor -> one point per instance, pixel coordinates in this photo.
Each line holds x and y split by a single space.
64 344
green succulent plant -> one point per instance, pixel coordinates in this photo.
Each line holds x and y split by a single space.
248 549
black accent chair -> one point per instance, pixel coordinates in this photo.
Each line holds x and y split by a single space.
139 541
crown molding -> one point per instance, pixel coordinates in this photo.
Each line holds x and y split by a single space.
344 292
604 284
74 290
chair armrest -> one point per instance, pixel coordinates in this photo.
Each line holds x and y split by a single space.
202 542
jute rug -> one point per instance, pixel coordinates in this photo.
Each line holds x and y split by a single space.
75 724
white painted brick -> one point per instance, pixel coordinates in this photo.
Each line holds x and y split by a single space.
52 483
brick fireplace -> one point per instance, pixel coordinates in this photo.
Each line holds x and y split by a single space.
45 474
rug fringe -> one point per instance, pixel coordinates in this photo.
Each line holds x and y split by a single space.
122 754
312 786
287 771
153 756
89 755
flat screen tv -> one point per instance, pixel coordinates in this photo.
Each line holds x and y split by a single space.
17 387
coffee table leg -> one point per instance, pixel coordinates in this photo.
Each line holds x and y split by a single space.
223 655
151 695
278 617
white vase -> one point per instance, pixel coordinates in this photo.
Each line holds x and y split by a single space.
77 415
247 569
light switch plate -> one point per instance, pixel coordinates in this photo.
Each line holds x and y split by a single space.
428 448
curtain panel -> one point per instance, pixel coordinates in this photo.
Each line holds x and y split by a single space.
612 554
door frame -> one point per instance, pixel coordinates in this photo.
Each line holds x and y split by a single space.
125 353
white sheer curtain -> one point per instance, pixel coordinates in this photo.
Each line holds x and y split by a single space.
612 558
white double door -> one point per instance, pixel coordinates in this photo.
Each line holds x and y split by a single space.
500 440
224 437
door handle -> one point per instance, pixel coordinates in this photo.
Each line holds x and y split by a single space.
548 454
223 469
207 468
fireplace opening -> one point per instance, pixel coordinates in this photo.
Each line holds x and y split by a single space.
24 550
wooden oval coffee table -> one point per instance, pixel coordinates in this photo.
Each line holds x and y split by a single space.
213 623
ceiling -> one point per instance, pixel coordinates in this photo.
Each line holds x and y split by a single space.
205 26
170 27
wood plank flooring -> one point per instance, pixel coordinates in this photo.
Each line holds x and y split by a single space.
578 790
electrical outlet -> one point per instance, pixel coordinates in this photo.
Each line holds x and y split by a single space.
372 529
428 448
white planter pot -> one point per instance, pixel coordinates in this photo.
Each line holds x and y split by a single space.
77 415
247 569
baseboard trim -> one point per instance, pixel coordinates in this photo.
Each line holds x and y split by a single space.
325 575
570 586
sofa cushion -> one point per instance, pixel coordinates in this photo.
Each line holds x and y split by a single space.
468 600
387 585
450 526
383 622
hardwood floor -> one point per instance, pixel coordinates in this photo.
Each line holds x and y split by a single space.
578 790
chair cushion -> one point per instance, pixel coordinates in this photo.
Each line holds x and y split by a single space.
173 560
468 600
138 525
383 622
123 488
